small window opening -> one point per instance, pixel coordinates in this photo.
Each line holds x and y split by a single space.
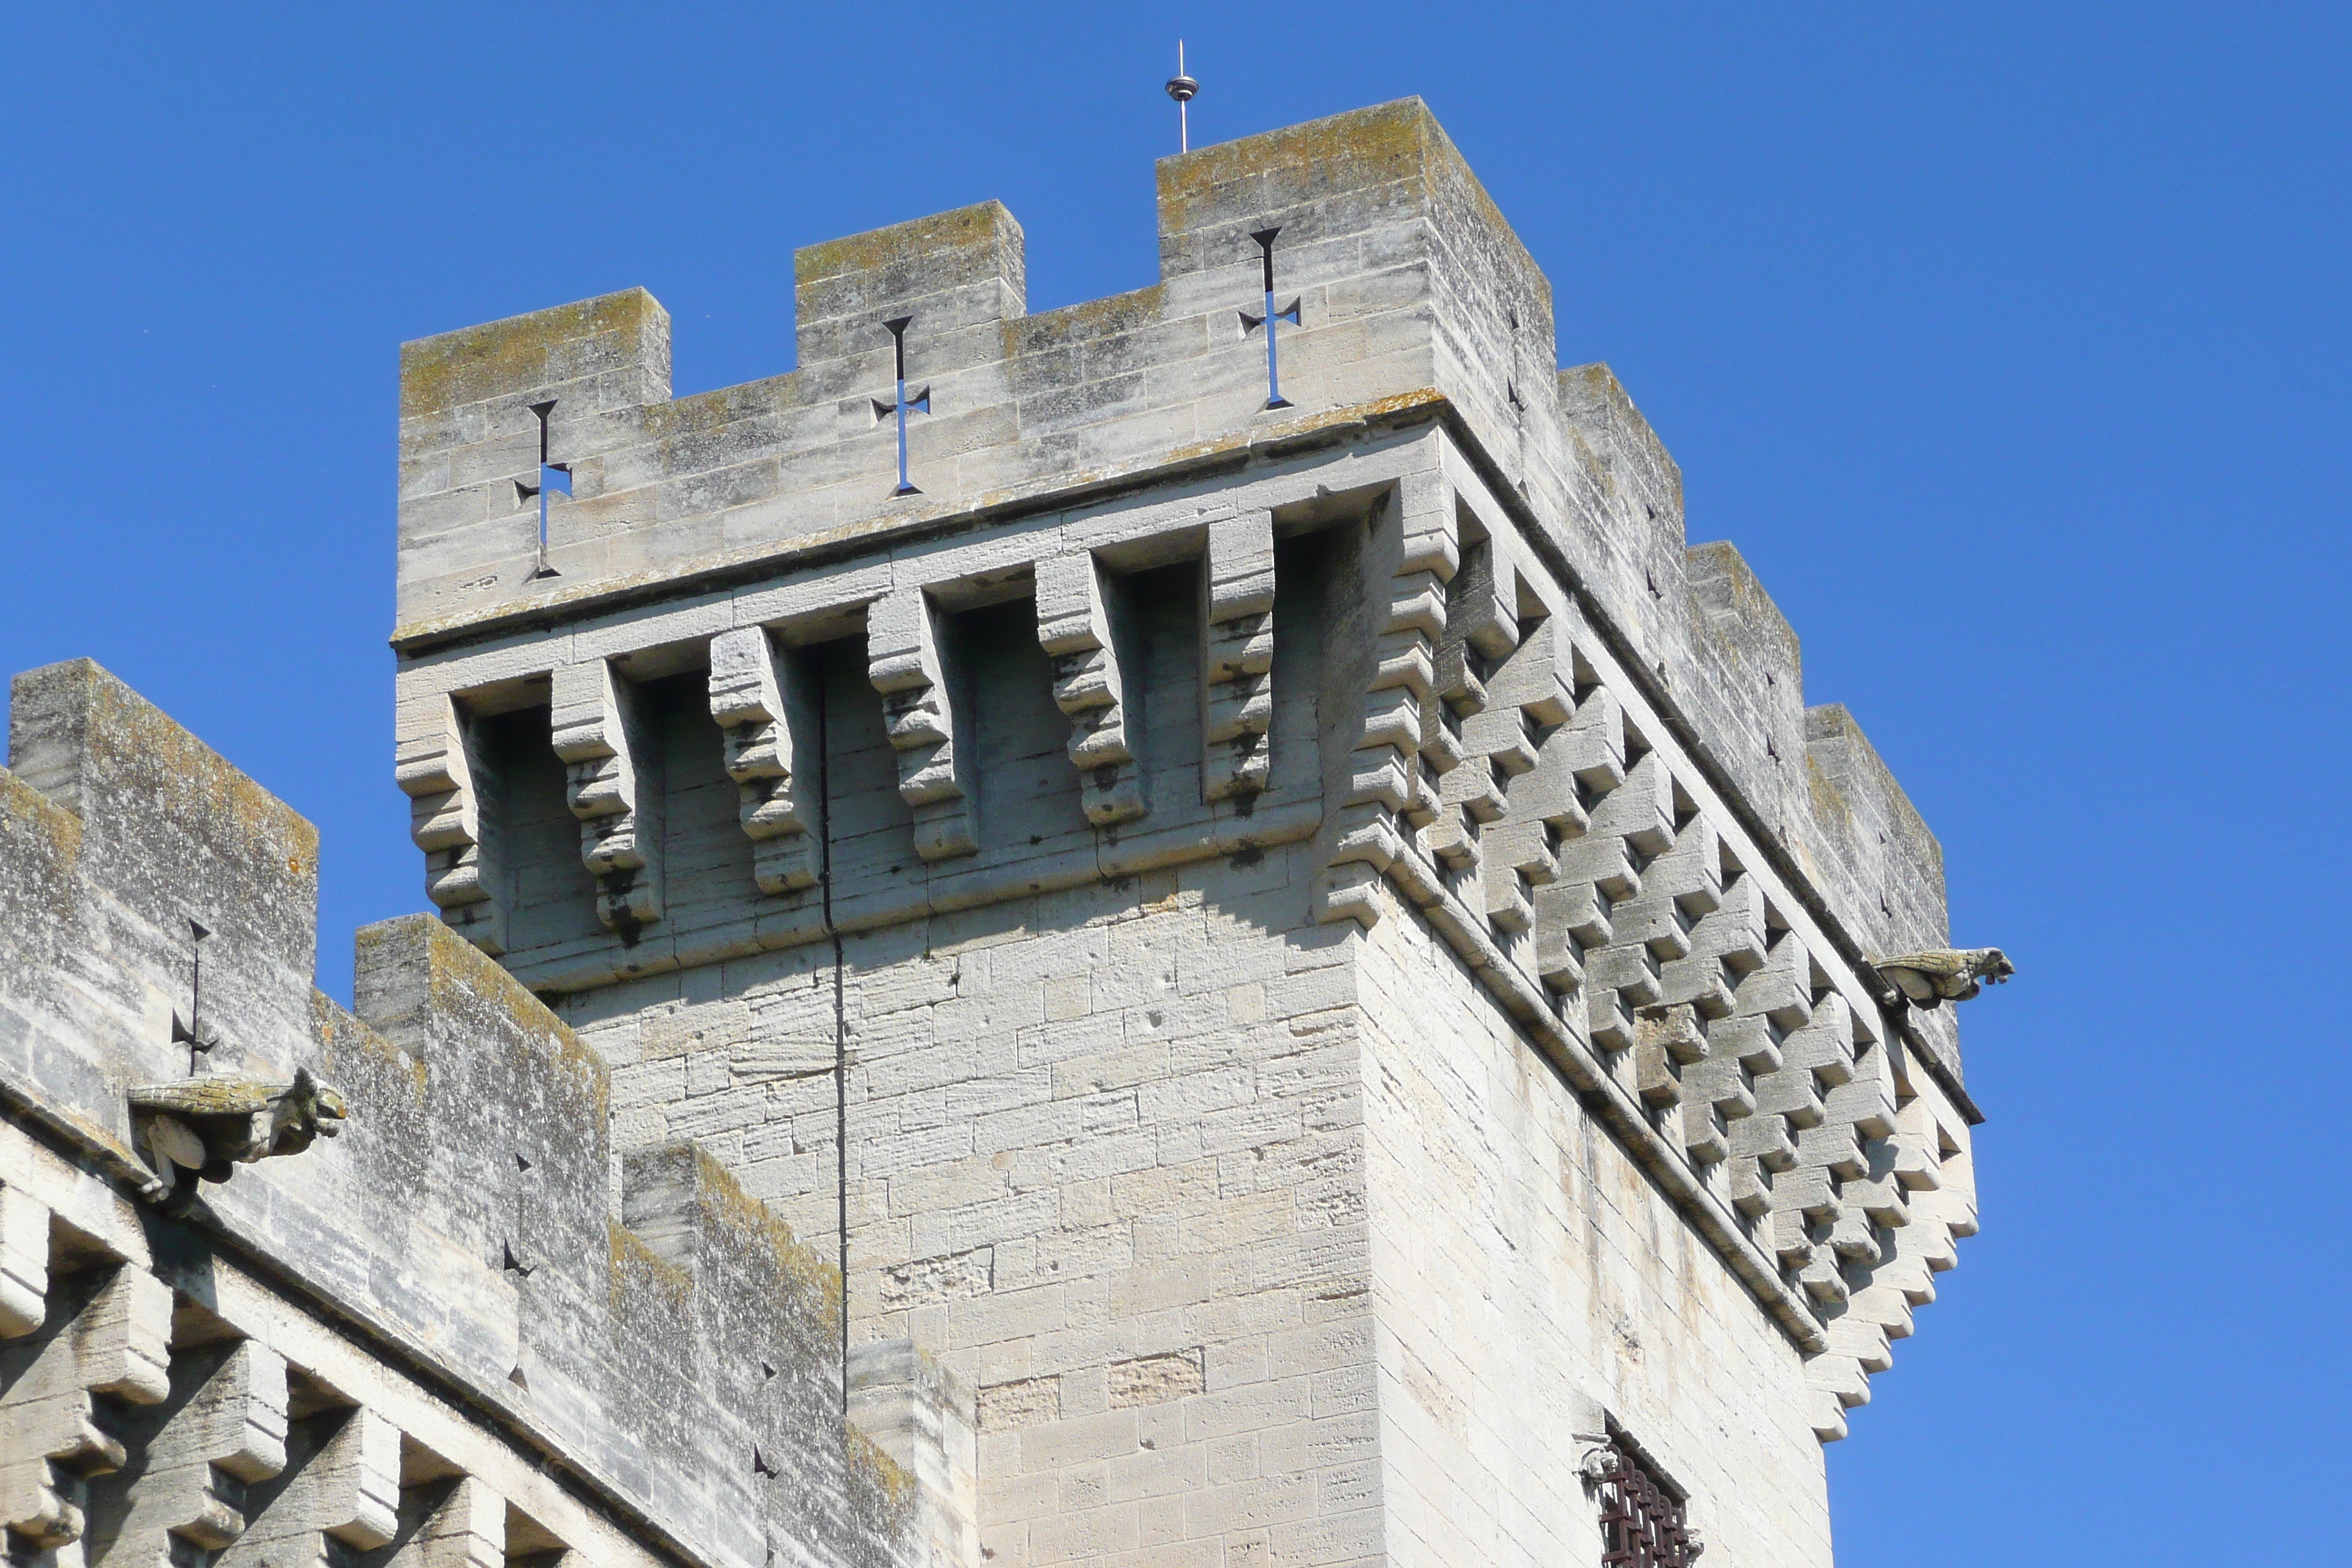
1642 1524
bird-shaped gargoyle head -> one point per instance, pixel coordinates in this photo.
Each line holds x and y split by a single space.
1945 975
210 1125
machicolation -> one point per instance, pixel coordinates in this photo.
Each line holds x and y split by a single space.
1048 950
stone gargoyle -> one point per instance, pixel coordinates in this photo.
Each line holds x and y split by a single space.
1945 973
210 1125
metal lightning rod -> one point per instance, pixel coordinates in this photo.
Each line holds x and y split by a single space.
1182 89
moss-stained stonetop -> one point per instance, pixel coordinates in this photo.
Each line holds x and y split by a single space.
625 330
982 236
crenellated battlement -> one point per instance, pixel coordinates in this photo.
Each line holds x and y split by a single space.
464 1318
1426 634
1396 254
1256 968
1419 306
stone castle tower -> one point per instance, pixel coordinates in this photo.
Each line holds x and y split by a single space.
1246 960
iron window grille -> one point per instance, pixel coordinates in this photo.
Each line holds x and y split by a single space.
1642 1524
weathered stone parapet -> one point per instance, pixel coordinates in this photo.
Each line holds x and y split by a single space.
617 348
961 274
442 1303
169 833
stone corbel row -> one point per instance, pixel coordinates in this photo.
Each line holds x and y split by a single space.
1501 787
1787 1099
611 785
118 1448
113 1442
1078 611
109 1338
224 1415
1529 708
1917 1187
1401 752
765 701
1479 735
1782 1094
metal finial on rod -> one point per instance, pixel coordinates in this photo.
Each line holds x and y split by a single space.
1182 89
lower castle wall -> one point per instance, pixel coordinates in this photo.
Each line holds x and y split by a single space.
439 1328
1105 1159
1523 1267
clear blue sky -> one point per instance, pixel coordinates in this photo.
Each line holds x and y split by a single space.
2007 342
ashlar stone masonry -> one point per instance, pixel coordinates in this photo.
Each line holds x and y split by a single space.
1238 984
